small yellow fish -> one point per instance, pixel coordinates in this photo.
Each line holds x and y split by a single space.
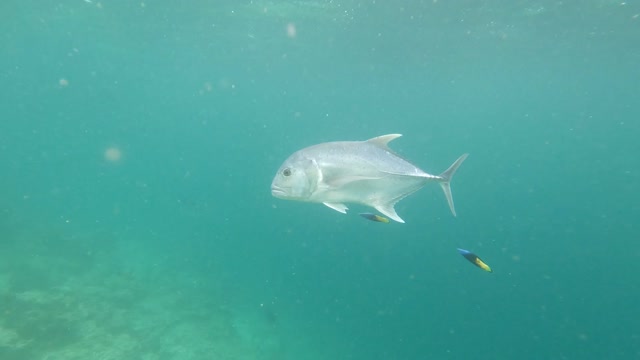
374 217
474 259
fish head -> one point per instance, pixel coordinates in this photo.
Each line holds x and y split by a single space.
296 179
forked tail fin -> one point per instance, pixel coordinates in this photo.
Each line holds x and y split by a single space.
445 181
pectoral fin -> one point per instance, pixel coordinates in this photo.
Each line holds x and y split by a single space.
337 207
343 181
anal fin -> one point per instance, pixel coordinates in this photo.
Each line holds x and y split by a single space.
389 211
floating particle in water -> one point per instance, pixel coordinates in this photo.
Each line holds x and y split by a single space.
291 30
113 154
63 82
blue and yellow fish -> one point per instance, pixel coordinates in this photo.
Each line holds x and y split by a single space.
474 259
374 217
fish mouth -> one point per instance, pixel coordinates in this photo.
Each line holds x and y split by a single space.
277 192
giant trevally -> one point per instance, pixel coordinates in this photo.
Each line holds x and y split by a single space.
363 172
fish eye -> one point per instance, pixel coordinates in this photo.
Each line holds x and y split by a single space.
286 172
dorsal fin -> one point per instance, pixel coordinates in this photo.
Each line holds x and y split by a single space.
383 140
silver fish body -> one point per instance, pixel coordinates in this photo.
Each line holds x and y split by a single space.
362 172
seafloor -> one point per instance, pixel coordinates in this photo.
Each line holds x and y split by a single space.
73 297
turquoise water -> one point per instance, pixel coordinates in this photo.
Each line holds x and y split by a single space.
138 141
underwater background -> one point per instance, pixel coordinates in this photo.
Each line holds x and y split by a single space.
138 141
